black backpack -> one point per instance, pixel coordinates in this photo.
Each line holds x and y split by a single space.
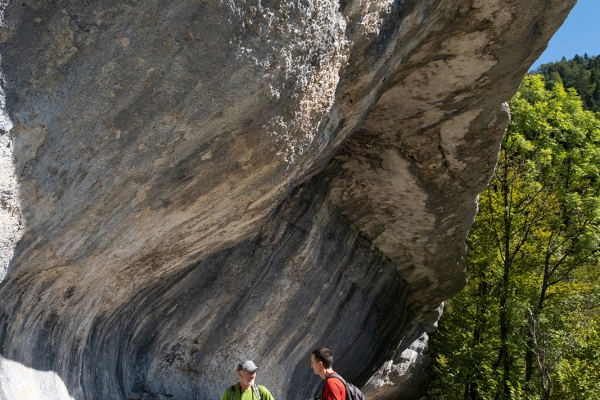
352 392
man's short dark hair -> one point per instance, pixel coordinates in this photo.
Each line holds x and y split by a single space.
324 355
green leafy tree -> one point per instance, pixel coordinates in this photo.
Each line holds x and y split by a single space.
537 231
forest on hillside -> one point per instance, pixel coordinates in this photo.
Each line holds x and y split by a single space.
527 325
582 73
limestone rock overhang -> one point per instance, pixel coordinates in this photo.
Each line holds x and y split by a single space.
187 184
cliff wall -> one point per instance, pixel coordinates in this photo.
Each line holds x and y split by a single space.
188 184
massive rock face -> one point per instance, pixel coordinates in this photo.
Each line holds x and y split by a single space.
188 184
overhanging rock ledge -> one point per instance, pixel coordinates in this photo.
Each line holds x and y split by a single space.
188 184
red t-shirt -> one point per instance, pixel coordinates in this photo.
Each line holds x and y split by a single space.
334 389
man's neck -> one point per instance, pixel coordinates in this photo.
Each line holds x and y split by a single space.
326 371
244 387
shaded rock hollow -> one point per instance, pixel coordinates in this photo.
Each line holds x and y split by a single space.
187 184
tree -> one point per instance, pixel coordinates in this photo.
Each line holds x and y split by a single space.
580 73
537 230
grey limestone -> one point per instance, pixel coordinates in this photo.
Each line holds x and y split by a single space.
185 184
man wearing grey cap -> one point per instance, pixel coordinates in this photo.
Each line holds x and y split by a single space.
246 389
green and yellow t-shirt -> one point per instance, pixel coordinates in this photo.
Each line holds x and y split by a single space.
248 394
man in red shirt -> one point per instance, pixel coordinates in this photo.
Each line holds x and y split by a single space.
321 361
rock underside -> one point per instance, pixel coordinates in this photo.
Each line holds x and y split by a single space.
187 184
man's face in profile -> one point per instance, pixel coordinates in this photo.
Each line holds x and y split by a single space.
247 378
317 366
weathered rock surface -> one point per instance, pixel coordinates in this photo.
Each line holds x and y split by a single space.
187 184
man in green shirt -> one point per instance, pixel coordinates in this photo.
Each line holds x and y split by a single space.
246 389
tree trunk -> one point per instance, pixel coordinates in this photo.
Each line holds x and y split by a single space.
503 357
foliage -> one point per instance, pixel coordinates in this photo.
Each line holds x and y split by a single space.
526 325
580 73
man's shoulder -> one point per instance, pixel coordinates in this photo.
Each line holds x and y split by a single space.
263 389
334 379
334 387
229 389
264 392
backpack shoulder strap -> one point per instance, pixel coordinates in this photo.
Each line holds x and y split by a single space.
336 376
232 392
257 391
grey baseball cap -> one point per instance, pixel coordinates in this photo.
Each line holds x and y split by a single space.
247 366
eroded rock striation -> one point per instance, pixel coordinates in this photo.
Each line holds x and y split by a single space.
186 184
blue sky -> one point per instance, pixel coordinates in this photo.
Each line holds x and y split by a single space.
579 34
